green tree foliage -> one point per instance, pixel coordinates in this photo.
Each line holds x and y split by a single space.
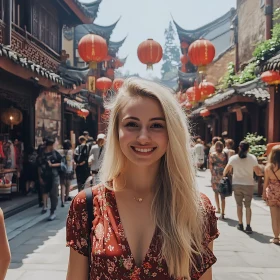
171 53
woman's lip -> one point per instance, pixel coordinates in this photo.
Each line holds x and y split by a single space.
142 147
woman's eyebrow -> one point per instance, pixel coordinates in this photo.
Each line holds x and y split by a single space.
137 119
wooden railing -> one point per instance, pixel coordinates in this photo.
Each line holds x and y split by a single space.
32 48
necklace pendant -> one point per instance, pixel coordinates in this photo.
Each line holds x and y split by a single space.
139 199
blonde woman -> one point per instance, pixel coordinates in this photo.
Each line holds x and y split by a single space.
150 222
5 255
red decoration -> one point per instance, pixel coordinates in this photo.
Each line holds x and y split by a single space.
184 45
205 113
110 73
193 94
118 63
83 113
201 53
182 97
149 52
106 115
271 77
103 84
206 89
184 59
117 84
93 49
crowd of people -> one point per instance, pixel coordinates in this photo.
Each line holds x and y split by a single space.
144 216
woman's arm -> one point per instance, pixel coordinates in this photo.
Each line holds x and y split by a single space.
208 274
265 184
77 266
258 170
5 256
228 169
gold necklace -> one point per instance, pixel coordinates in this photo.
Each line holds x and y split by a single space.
138 199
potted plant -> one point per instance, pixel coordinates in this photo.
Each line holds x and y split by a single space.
257 145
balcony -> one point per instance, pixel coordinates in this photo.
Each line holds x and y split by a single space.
31 48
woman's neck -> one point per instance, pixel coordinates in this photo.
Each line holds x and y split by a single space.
138 179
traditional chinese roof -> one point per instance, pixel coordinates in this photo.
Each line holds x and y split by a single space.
5 51
114 47
271 64
254 90
103 31
73 75
74 104
187 79
217 31
93 7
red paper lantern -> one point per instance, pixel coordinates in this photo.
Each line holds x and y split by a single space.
83 113
117 84
184 59
205 113
93 49
110 73
201 53
206 89
271 77
184 68
103 84
193 94
149 52
184 45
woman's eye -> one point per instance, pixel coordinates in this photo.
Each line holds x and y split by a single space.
131 124
157 125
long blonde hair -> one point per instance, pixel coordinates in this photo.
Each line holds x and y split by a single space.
176 207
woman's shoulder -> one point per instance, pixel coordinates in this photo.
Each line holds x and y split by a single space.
210 220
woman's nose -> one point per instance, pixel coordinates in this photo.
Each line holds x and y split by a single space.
143 136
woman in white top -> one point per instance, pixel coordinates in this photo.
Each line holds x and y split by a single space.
67 177
243 166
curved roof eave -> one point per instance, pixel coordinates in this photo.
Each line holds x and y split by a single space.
205 28
118 44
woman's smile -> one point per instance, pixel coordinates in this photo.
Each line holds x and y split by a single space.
143 151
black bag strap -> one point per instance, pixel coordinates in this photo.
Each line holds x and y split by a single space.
275 174
89 204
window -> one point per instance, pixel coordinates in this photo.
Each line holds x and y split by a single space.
262 2
45 25
20 13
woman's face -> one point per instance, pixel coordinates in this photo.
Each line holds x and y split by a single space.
142 131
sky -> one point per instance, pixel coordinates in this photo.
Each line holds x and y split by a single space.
143 19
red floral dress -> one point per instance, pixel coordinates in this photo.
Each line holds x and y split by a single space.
111 257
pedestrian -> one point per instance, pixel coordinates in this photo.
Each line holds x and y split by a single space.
229 144
217 162
212 148
49 165
90 143
96 156
147 201
199 154
5 255
86 135
243 165
81 160
29 170
271 190
66 177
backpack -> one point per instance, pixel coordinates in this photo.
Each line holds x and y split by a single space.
82 152
63 165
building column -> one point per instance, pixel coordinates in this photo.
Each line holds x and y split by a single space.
8 22
274 115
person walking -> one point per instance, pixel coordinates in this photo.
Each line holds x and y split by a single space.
229 144
217 162
199 154
5 255
81 160
150 222
271 191
66 177
49 165
243 165
212 148
96 156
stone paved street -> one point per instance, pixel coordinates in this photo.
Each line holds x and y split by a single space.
38 246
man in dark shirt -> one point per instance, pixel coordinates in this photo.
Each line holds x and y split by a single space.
48 171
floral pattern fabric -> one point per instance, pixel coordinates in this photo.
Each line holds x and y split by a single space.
218 162
273 193
111 257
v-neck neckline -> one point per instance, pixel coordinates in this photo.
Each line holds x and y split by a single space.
124 240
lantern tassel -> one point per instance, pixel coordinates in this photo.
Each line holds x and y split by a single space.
93 65
149 66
